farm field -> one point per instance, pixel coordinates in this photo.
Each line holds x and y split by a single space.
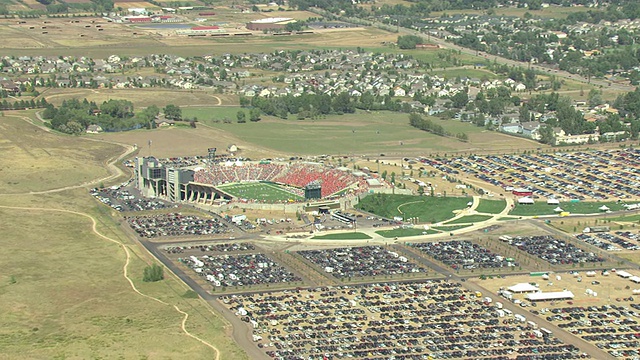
427 209
541 208
260 191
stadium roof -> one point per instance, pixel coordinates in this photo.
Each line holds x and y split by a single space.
557 295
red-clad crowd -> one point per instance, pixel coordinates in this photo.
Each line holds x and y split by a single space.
296 175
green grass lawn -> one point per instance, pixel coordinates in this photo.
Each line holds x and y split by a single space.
470 219
626 218
491 206
471 73
450 227
358 133
343 236
404 232
260 191
425 208
211 115
541 208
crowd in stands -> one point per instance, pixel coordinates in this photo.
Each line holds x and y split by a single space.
297 175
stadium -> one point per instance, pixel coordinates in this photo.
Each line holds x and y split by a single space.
199 180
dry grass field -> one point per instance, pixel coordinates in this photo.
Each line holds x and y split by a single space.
142 97
41 161
135 4
63 295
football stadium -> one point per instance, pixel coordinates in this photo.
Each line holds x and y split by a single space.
210 181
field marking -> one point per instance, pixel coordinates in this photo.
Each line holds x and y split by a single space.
125 271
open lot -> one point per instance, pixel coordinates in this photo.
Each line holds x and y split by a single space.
41 160
65 295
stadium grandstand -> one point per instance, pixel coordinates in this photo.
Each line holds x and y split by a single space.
201 181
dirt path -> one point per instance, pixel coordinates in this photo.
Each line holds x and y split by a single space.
125 272
109 163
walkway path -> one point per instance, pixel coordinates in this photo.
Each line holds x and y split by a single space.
125 272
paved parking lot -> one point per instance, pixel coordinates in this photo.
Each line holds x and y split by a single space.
176 224
366 261
585 175
421 320
555 251
125 197
613 328
464 255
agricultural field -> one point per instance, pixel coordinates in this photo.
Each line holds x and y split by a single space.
260 191
427 209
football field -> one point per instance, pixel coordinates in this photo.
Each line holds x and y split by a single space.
260 191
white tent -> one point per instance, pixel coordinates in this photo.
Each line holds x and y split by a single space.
557 295
553 201
558 209
525 200
523 288
603 208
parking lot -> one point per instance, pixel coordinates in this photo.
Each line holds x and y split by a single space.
366 261
585 175
604 311
464 255
553 250
432 319
176 225
125 197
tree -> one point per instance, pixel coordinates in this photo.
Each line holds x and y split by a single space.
546 135
460 99
241 117
409 41
153 273
254 114
172 112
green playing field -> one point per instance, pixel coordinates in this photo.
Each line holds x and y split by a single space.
260 191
